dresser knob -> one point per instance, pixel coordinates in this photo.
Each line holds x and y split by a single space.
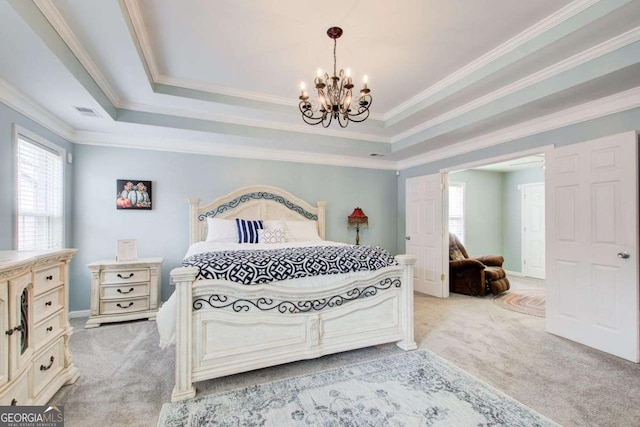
120 291
48 303
14 402
49 277
128 277
50 328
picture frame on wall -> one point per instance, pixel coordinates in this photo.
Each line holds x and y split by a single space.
133 194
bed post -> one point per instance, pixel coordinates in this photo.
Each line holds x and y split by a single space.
408 342
194 236
321 218
183 279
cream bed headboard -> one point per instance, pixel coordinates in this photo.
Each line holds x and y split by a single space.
253 202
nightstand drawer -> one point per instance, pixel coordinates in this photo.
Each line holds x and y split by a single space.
44 331
115 277
47 278
46 304
124 306
124 291
47 365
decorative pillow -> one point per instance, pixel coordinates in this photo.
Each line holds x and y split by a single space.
455 254
248 230
302 231
271 235
221 230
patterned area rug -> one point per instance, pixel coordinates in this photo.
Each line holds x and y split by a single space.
411 389
527 301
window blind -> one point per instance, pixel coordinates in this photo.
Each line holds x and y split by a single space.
456 210
39 196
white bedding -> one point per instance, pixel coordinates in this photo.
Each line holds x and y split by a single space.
166 319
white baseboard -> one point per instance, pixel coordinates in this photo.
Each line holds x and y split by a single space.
514 273
79 313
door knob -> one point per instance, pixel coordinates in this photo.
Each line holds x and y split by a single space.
623 255
408 237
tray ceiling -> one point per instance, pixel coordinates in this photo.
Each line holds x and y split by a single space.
222 77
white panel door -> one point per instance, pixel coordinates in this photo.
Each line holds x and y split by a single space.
592 244
424 238
533 230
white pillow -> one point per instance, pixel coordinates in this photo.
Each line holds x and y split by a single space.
302 231
271 235
222 230
274 223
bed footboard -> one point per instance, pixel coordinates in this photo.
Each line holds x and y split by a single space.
223 328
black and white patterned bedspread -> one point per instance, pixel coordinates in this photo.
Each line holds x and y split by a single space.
253 267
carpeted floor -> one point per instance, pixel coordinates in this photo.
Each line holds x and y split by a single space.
125 377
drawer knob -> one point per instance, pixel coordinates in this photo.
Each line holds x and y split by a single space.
50 328
130 304
14 402
9 332
120 291
48 303
46 368
49 277
128 277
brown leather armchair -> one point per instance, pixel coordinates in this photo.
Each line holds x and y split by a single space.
474 276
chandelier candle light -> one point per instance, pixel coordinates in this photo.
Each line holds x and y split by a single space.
335 95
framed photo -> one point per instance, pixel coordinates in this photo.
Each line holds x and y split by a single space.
133 194
127 250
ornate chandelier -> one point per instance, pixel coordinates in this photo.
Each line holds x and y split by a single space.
334 99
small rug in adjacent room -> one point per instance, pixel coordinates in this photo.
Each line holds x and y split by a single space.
410 389
526 301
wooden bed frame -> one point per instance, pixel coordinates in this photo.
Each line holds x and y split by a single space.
223 328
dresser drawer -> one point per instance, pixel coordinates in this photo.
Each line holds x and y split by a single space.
129 305
115 277
18 392
46 330
127 291
47 366
47 278
46 304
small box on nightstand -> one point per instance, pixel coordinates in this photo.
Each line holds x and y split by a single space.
124 290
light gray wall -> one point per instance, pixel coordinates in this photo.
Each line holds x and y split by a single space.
163 231
9 117
512 214
483 211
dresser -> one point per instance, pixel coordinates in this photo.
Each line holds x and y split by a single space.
35 360
124 290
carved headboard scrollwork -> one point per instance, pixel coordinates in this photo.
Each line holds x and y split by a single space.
253 202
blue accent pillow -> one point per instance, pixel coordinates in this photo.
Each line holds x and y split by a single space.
248 230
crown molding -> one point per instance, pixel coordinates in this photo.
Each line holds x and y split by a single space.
612 104
51 13
20 102
227 150
135 15
510 45
242 121
583 57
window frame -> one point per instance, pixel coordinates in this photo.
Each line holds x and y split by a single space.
464 208
33 138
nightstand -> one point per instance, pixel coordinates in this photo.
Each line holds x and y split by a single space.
124 290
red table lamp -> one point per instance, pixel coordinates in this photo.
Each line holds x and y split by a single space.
358 219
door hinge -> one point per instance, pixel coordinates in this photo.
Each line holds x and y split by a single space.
442 277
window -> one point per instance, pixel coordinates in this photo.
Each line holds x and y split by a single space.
39 193
456 209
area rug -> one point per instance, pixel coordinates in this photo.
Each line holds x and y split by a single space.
527 301
410 389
